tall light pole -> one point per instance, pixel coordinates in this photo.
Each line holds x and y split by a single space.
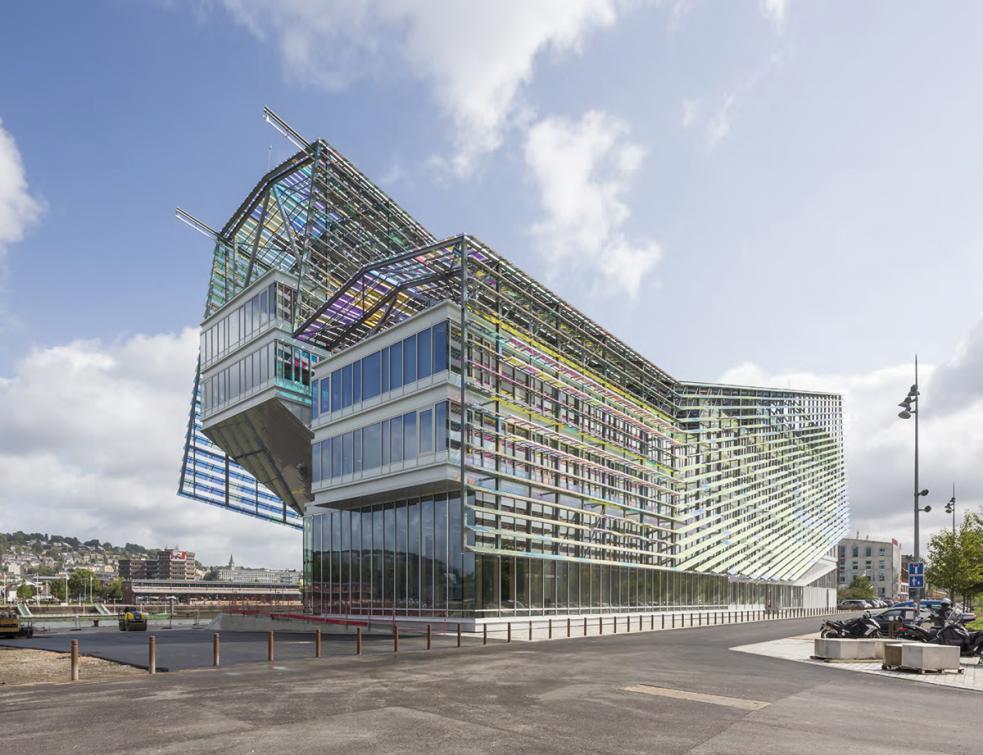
911 405
950 508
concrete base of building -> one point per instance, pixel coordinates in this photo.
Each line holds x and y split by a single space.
511 629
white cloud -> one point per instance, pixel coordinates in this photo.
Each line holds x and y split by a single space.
691 112
91 447
18 208
774 11
879 445
720 123
475 56
582 169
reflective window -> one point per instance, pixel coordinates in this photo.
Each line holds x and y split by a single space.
336 457
325 395
440 426
314 396
396 439
423 356
409 435
371 383
346 382
357 382
316 462
409 360
347 460
426 432
336 391
395 366
372 441
439 346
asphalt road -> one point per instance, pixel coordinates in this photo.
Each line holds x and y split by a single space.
559 696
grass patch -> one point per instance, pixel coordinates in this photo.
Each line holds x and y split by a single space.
978 624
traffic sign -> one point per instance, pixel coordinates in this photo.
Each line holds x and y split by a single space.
916 568
916 581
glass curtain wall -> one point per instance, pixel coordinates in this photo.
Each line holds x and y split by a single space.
409 558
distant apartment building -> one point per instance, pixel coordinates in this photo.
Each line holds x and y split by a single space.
168 564
248 575
879 560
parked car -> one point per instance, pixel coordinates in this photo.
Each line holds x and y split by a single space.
854 604
897 614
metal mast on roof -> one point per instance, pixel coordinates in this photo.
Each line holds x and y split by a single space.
284 128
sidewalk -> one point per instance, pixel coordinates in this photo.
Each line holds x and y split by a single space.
800 649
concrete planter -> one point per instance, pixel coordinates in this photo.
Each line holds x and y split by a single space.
882 646
844 650
923 657
892 654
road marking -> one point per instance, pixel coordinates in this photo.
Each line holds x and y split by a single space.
679 694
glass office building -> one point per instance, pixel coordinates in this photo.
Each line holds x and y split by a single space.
470 445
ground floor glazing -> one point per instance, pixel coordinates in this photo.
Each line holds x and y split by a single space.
417 557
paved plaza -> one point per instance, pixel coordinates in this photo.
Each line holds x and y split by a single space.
681 691
800 649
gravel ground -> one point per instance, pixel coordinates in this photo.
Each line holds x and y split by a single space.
23 666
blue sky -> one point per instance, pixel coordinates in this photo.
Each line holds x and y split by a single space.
777 192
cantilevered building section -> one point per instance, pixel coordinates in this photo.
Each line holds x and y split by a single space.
458 440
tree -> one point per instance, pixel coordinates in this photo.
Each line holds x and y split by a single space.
80 581
58 589
860 588
113 590
956 559
25 592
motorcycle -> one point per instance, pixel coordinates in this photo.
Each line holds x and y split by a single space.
951 632
861 627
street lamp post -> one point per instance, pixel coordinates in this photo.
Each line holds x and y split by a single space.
911 405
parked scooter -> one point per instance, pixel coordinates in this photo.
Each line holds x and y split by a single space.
861 627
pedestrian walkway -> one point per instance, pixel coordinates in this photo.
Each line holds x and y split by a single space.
800 649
